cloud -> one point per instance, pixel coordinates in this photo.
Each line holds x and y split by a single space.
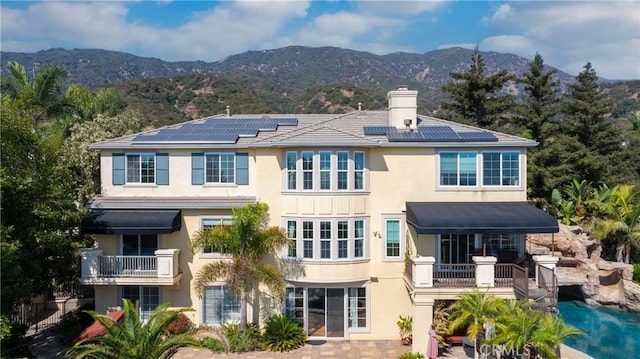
568 34
386 8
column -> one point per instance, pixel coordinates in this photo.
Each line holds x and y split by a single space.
485 271
423 271
546 261
167 262
90 262
422 320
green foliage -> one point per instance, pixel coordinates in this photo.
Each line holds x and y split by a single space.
410 355
213 344
69 327
475 96
540 100
240 340
83 162
636 272
131 338
620 219
405 325
441 323
473 311
38 233
248 240
282 334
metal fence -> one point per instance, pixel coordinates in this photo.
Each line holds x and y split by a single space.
503 275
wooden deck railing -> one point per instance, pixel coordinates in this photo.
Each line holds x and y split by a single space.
128 266
503 275
454 276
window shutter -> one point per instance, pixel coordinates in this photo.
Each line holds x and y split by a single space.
242 168
117 168
162 168
197 168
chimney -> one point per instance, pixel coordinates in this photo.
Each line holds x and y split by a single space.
403 108
228 111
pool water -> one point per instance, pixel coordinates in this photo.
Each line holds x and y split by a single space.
609 333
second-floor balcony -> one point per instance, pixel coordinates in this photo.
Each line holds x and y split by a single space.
159 269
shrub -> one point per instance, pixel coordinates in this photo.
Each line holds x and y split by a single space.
213 344
636 272
249 340
282 334
410 355
182 324
69 327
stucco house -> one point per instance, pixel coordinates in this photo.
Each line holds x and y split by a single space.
388 212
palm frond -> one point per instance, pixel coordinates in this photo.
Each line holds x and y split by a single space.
272 278
209 273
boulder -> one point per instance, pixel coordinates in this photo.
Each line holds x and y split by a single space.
625 270
631 300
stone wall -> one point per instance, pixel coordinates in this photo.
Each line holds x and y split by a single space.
601 282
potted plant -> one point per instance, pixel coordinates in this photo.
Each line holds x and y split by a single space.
405 324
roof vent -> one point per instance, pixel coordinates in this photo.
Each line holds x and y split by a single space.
228 111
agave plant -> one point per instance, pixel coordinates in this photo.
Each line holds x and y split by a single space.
282 334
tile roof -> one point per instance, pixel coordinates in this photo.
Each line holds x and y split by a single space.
289 130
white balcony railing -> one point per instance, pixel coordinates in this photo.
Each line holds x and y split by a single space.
161 268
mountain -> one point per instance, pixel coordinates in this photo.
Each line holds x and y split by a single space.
289 79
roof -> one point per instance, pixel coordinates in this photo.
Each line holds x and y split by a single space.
479 217
96 328
355 129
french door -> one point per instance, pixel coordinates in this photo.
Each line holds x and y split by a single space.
139 244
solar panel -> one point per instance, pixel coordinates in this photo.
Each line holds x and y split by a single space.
217 130
375 130
477 136
393 135
438 133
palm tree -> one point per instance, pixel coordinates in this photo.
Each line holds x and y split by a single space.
621 218
531 333
634 118
132 339
248 240
41 95
474 310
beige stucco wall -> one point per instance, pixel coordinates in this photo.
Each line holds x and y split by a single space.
393 177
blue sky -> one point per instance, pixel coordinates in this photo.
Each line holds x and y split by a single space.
566 33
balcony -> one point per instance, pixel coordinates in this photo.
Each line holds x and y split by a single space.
445 281
159 269
425 273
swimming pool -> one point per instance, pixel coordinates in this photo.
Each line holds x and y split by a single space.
609 333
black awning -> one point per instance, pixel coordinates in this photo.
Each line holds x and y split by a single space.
123 221
479 217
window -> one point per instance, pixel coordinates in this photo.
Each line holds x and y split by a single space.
325 170
292 159
343 169
458 169
307 170
292 229
220 306
220 168
392 238
358 172
500 244
501 168
141 168
148 299
294 304
210 223
456 248
357 308
358 238
343 239
325 239
307 239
